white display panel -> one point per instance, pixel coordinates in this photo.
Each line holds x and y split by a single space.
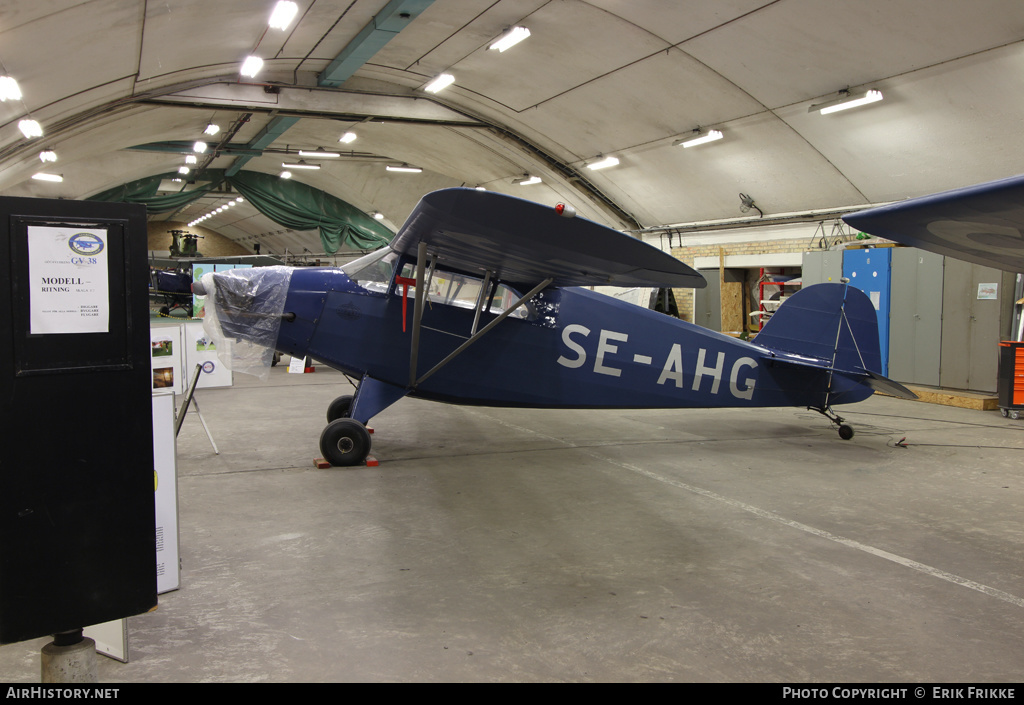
165 485
166 357
200 350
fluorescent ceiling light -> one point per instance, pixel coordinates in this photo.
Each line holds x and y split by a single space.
211 129
47 155
510 38
183 170
529 181
252 66
318 152
191 159
300 165
604 163
847 101
286 175
199 147
30 128
9 89
404 168
283 14
48 177
711 136
348 137
439 83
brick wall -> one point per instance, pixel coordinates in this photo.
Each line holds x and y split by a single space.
795 239
212 243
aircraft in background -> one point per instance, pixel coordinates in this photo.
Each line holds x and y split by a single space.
478 300
981 224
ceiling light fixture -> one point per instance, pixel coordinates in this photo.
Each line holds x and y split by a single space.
404 168
378 215
211 129
301 164
286 175
252 66
9 89
30 128
41 176
439 83
191 159
845 101
47 155
199 147
319 152
283 14
510 38
604 163
348 137
528 180
183 170
711 136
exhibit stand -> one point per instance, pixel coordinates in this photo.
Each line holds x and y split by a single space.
77 507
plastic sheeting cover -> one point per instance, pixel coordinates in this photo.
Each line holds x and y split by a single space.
246 305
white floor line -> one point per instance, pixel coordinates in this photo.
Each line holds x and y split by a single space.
771 516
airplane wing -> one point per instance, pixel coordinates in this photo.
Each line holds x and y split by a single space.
981 224
525 242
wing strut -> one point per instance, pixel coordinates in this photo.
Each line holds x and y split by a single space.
483 331
418 304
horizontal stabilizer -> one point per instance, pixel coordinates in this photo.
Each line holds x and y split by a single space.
524 242
880 383
983 224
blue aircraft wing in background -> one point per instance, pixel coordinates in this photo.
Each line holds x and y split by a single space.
983 224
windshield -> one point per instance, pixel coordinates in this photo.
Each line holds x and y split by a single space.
373 271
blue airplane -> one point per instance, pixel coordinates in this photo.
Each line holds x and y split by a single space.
478 300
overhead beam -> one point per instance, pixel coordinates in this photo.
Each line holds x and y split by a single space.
274 129
384 26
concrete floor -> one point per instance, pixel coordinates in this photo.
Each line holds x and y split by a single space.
525 545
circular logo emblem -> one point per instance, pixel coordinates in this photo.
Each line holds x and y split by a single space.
85 244
208 366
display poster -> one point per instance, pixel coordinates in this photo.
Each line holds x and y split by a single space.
68 290
988 291
167 359
201 350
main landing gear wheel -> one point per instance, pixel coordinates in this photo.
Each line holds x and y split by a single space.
845 432
340 408
345 442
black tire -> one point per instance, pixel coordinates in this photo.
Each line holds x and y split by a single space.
340 408
345 442
845 432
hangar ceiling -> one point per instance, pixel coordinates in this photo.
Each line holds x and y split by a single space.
122 89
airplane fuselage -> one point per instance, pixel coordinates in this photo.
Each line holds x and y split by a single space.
574 349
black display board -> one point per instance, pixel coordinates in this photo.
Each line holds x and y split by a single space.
77 517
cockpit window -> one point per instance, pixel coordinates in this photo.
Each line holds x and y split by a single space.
462 291
373 272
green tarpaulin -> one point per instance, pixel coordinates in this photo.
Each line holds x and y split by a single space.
289 203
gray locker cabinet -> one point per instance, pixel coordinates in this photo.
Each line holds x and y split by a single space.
707 302
973 327
915 316
821 267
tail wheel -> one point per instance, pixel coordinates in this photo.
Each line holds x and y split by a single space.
345 442
845 432
340 408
